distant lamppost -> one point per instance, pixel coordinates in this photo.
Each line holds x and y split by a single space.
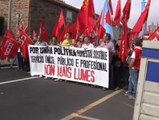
9 14
19 17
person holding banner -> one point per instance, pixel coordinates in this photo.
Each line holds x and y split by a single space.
87 44
68 42
101 44
110 46
40 42
37 40
53 41
108 43
80 41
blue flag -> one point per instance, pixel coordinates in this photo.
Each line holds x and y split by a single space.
106 20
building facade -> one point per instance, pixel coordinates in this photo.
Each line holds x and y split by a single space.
17 7
31 11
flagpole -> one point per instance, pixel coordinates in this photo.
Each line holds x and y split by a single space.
18 17
9 20
9 14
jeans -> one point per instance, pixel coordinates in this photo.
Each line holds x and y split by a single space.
20 61
133 80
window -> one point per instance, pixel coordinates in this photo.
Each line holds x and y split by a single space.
69 16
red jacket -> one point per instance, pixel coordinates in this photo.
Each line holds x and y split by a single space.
138 53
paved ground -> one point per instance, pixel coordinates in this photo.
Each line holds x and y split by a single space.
23 97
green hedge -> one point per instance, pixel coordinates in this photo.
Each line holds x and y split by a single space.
1 25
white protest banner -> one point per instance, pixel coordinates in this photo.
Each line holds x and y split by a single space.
89 66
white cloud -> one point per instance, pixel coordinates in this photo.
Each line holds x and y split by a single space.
135 9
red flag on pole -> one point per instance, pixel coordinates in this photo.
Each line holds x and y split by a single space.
101 32
86 16
26 30
154 35
21 27
43 32
73 30
126 12
141 21
25 53
118 13
111 8
9 46
62 35
57 29
99 28
25 40
124 43
99 19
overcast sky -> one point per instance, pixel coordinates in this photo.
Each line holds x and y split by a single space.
135 9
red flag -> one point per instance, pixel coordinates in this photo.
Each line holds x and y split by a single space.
77 24
154 35
124 45
73 30
87 32
85 17
25 53
141 21
99 29
118 13
57 29
101 32
99 19
25 40
111 8
67 29
43 32
21 27
26 30
9 46
126 12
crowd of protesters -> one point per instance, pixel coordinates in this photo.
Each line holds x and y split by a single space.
121 75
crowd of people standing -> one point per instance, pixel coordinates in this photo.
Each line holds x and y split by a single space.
120 74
